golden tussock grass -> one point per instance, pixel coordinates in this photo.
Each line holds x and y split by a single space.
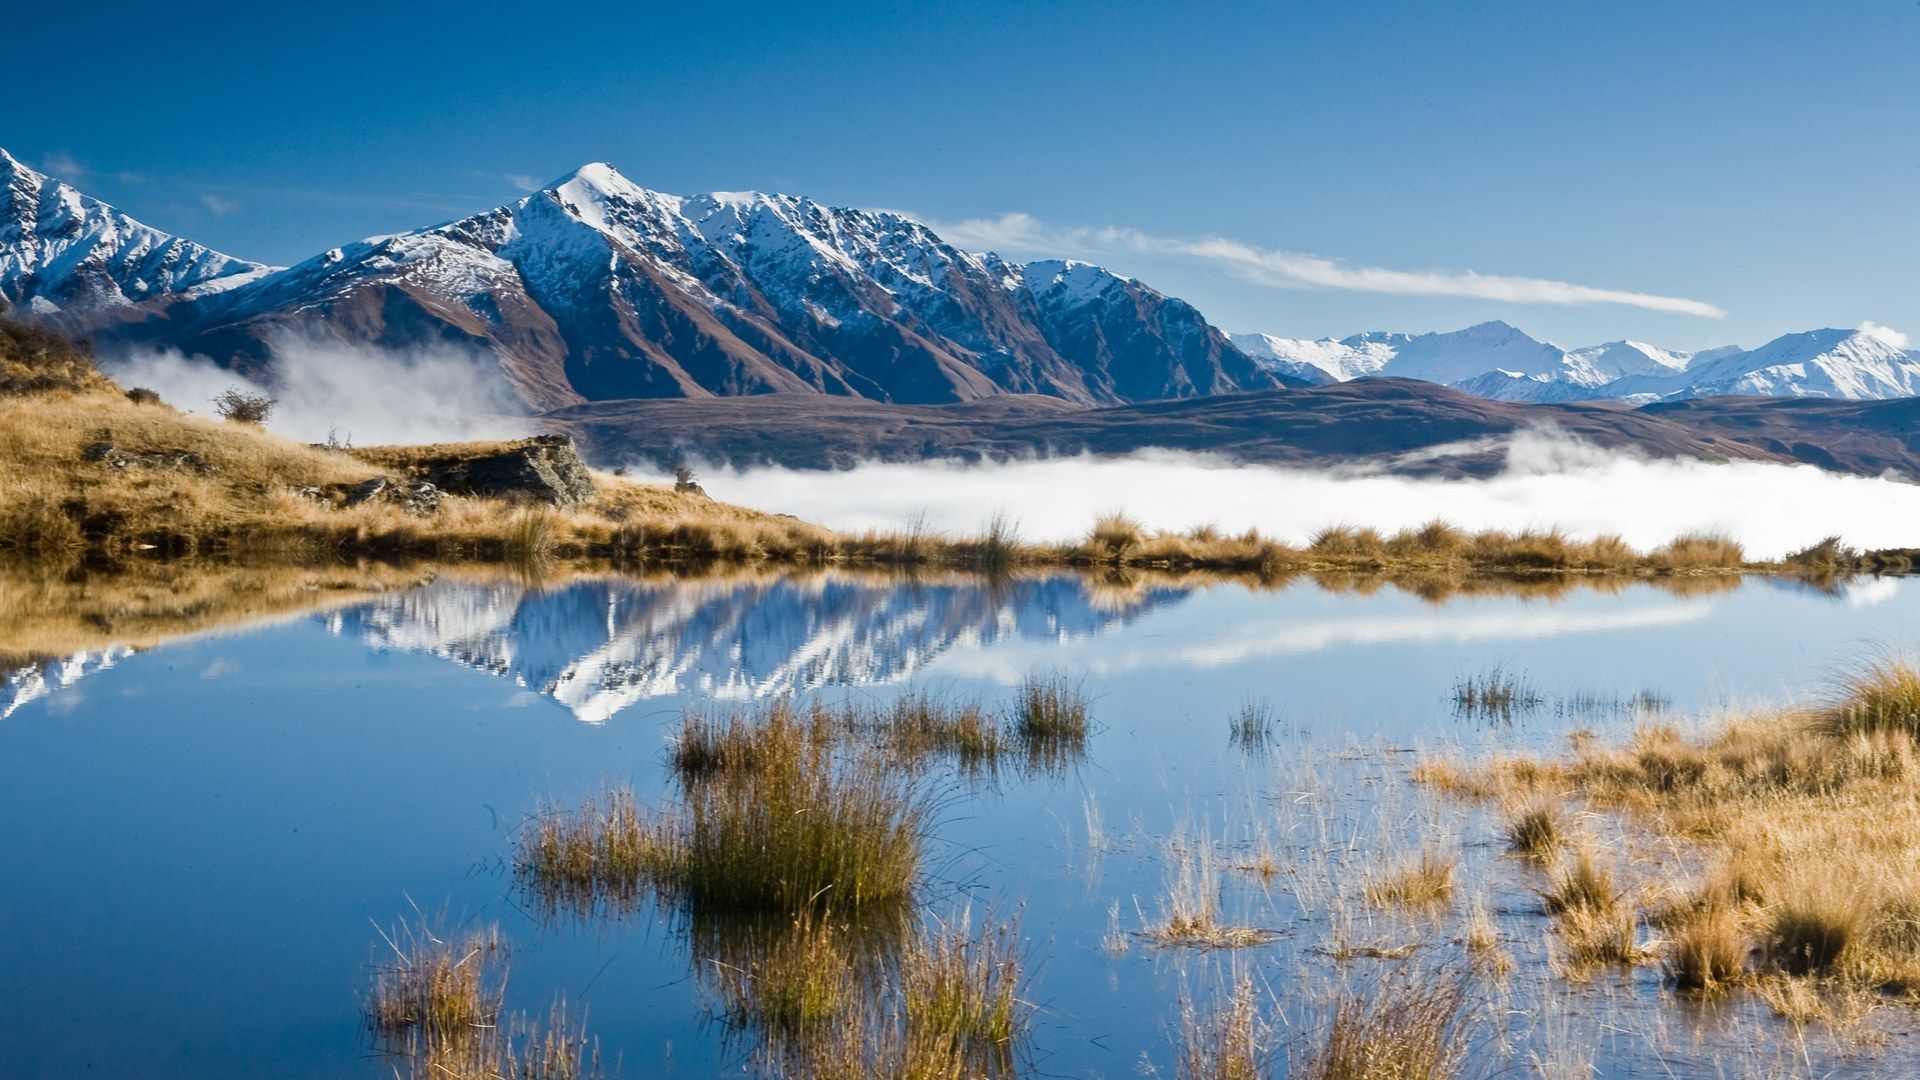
1408 1024
829 997
773 814
1424 880
1808 821
1226 1042
436 1004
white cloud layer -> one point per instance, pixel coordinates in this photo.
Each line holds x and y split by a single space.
1550 482
1286 269
355 393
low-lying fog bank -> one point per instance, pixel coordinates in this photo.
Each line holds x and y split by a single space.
1549 482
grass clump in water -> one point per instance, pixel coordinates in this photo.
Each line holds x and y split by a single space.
438 986
1533 829
1706 952
437 1005
1226 1042
1191 912
774 817
959 993
918 727
1411 1024
1252 725
595 857
1495 695
1596 923
1050 720
1424 880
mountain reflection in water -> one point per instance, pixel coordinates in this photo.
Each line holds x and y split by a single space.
598 645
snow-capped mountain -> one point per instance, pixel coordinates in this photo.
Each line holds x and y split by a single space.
595 288
599 646
1830 363
1496 360
62 250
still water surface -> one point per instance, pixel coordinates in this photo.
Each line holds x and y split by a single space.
202 837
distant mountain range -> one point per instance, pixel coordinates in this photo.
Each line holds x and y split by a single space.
595 289
1496 360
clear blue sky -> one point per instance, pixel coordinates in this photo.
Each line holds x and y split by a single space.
1760 157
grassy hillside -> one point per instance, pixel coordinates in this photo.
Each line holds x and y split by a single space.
86 468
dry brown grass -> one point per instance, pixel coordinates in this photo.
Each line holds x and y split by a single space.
1424 880
1226 1042
436 1005
1807 820
1706 951
1534 829
1409 1024
1190 911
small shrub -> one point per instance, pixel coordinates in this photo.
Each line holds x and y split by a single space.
241 407
140 395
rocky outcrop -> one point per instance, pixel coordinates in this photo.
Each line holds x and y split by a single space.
113 457
545 468
415 496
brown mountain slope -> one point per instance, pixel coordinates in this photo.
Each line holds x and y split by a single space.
1395 423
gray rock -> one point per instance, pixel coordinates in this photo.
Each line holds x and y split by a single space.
367 490
115 458
546 468
421 498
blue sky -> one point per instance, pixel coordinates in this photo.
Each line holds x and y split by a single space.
1266 162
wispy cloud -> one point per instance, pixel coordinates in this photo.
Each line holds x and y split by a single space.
64 166
1887 334
218 206
522 181
1287 269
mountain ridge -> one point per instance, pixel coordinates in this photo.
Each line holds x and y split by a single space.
596 288
1497 360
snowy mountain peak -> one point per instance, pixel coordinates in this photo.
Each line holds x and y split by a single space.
63 250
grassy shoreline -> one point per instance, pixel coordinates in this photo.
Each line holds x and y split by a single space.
1786 843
